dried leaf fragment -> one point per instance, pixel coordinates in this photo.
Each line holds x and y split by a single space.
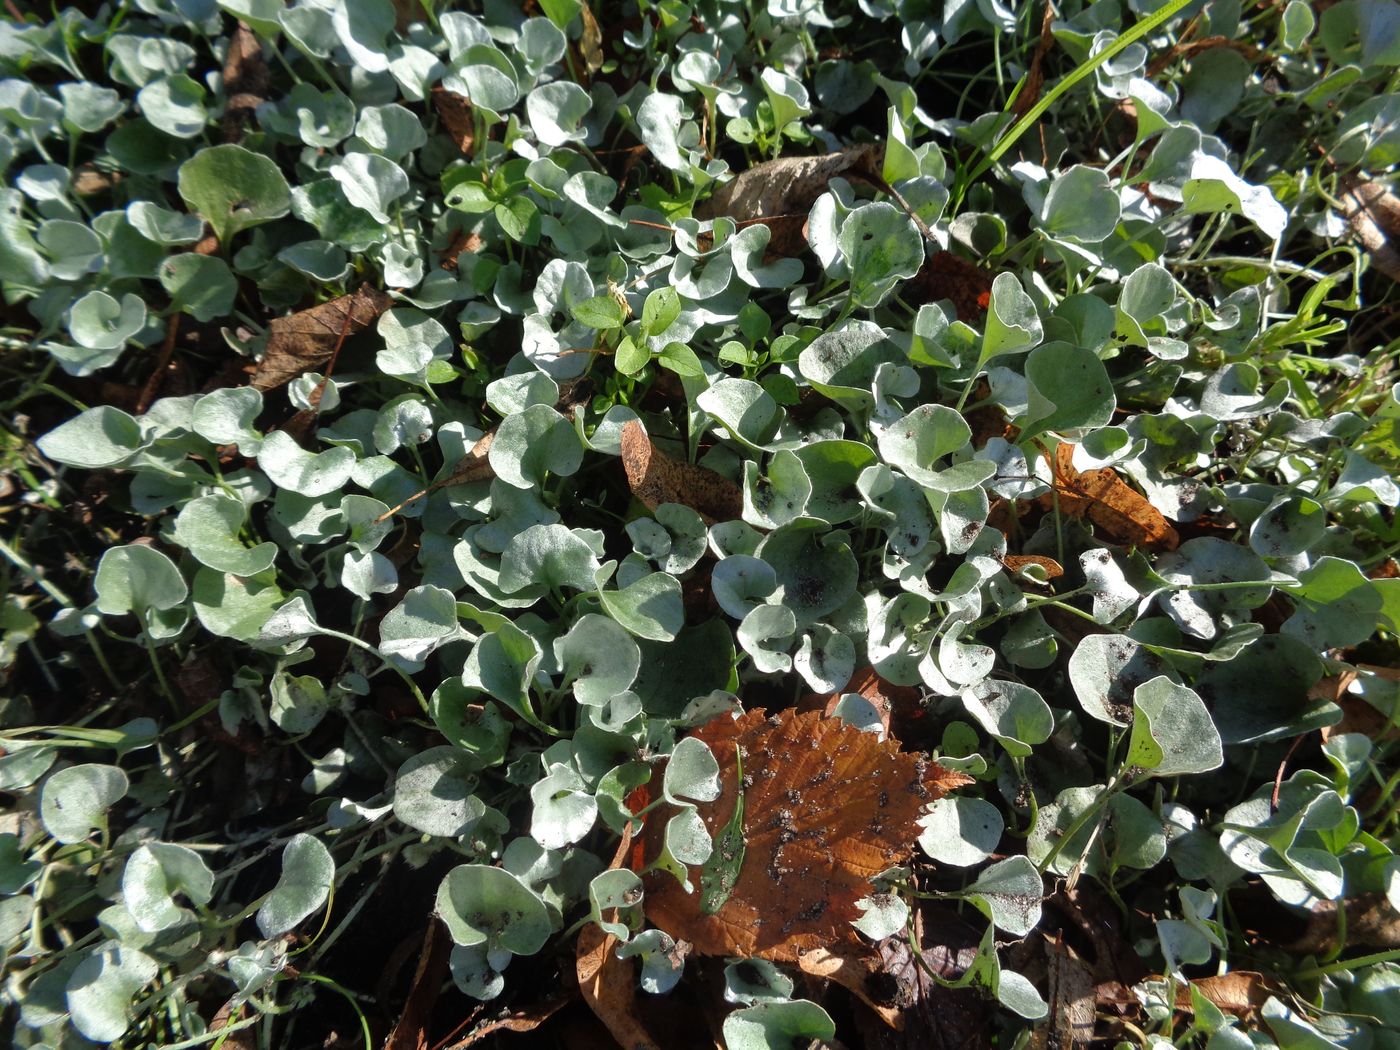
308 338
608 983
411 1031
789 185
1122 512
245 80
1373 213
455 112
1239 992
656 478
827 807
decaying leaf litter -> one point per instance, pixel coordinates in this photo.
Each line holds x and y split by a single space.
463 458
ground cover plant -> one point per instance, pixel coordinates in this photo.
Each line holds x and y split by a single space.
747 523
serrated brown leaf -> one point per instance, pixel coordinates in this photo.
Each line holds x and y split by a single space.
1123 513
789 185
656 478
308 338
826 808
455 112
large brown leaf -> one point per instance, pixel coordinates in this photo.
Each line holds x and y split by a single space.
656 478
1123 513
309 338
826 807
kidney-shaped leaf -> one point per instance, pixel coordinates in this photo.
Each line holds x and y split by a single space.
486 905
74 801
303 886
1172 731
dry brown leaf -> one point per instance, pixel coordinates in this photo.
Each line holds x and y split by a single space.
474 466
608 983
1071 999
1017 562
1029 94
455 111
1373 213
826 808
656 478
308 338
1123 513
90 180
1239 992
893 702
411 1031
1371 922
789 185
245 80
462 241
947 276
590 41
526 1019
855 973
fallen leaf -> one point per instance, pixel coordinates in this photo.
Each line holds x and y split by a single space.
894 702
1122 512
1371 922
590 41
1017 562
1029 94
1071 999
411 1031
826 808
1239 992
526 1019
462 241
608 983
309 338
789 185
932 1016
656 478
245 80
455 112
947 276
90 180
1373 213
855 973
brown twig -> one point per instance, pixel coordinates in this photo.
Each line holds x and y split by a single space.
167 351
1278 777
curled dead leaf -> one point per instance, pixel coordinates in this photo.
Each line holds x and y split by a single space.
789 185
1017 562
826 808
462 241
656 478
590 41
1123 513
308 338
